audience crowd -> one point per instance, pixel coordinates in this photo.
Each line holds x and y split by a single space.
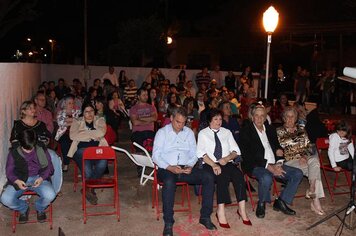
214 132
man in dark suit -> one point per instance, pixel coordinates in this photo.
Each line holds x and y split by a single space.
263 158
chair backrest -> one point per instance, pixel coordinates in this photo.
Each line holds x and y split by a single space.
95 153
322 143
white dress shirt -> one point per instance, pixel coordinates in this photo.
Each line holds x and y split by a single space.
206 143
269 155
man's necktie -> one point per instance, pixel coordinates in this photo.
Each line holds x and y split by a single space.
218 148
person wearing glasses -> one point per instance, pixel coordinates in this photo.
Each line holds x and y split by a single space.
88 131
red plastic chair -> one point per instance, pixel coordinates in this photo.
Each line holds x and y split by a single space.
185 195
247 179
101 153
322 145
15 214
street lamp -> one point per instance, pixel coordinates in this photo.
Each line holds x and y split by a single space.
52 42
270 22
169 40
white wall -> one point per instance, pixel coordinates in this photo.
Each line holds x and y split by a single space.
69 72
18 81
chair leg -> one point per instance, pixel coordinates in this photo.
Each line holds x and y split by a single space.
275 188
156 205
348 179
50 216
14 216
250 193
75 177
153 195
328 186
84 204
189 206
117 201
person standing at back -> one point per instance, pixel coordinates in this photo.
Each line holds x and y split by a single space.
111 75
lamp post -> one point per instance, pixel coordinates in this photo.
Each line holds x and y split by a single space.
52 42
270 22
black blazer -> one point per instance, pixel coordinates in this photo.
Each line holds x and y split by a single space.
252 149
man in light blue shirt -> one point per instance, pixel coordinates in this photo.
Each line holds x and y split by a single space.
174 152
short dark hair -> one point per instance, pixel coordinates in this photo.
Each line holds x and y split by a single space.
140 91
28 139
214 112
342 125
87 104
178 110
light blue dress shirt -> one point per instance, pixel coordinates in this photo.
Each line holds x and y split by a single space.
170 148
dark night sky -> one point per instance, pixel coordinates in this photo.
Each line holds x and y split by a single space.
63 20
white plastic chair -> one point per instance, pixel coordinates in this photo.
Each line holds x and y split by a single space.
140 160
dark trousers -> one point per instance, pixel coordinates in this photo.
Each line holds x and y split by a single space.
346 164
65 143
140 136
203 176
292 177
230 173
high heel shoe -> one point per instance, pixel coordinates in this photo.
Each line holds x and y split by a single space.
245 222
310 195
320 212
226 226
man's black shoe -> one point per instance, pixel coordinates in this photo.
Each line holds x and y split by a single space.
41 216
168 230
260 211
208 224
280 205
23 218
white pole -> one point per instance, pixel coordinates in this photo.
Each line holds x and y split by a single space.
269 40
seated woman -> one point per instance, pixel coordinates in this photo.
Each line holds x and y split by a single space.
218 148
28 121
28 167
65 115
298 153
229 122
116 105
88 131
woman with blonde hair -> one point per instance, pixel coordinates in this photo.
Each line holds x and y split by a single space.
28 121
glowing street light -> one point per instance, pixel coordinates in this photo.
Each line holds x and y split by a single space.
270 22
52 42
169 40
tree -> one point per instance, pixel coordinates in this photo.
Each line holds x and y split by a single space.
139 41
14 12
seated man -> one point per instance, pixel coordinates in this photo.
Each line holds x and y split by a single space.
174 152
263 158
28 167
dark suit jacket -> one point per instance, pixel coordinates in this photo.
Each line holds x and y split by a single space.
252 149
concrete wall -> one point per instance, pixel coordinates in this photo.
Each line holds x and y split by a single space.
18 81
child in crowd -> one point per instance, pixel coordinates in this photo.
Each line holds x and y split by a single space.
341 148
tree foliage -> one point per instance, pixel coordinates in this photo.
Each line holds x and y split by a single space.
139 41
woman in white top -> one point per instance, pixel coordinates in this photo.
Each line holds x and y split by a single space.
341 148
218 148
